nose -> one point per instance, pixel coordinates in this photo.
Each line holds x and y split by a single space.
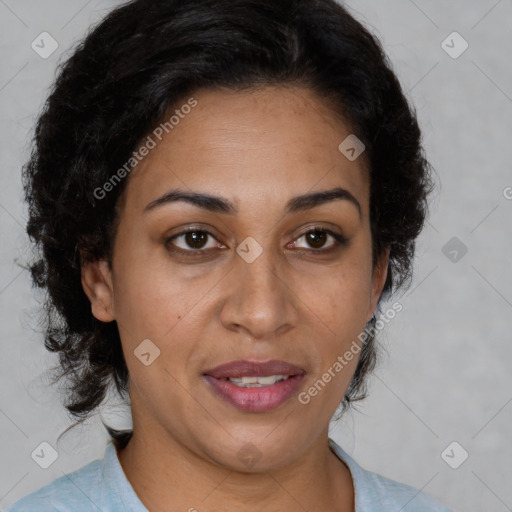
260 301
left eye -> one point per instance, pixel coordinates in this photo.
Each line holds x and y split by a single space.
316 238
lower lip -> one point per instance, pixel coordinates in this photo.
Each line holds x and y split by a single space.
255 399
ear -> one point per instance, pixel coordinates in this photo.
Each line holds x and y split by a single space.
380 274
97 285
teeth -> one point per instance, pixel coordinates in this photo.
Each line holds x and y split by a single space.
257 382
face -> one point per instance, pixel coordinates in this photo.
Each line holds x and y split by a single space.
262 276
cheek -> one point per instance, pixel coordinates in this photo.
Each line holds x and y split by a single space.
341 303
341 296
145 292
156 302
154 305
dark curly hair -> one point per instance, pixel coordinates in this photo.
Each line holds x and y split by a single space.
123 79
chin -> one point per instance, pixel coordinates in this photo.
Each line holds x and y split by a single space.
255 453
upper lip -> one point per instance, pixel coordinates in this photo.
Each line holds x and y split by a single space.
245 368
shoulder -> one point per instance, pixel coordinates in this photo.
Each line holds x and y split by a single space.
375 492
392 495
73 492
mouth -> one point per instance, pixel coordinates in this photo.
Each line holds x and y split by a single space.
252 386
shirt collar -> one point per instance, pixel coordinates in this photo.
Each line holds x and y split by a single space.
118 485
356 471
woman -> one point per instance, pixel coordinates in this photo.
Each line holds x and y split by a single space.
224 192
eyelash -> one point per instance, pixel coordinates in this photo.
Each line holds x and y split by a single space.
340 241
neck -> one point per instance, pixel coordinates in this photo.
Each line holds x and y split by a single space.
316 480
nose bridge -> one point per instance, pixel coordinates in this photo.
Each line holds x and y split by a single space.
260 275
260 302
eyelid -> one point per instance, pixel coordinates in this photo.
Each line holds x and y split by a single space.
340 240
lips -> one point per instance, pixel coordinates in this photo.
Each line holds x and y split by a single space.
239 369
254 399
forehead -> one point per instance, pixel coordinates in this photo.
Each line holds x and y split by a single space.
264 145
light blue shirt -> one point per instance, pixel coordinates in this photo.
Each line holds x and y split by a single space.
101 486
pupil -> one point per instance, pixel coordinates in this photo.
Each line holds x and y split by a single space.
194 239
316 238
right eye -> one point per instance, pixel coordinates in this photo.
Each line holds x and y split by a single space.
192 240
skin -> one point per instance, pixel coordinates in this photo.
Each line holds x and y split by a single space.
258 149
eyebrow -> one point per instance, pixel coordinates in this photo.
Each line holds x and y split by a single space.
218 204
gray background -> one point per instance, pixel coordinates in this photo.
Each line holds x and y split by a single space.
446 376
